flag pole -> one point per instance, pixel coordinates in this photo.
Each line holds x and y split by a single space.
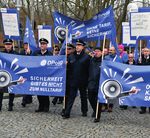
99 107
64 103
140 49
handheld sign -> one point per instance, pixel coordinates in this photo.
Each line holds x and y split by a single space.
126 35
10 23
44 31
140 24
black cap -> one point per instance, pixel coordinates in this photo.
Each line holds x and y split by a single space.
8 41
70 45
25 43
43 40
80 42
98 48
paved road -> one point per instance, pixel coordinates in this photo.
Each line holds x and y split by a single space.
25 123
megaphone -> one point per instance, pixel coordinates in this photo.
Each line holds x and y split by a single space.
111 88
5 78
60 33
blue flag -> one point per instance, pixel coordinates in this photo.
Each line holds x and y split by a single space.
40 75
63 48
148 43
69 40
29 36
136 52
90 30
119 80
60 23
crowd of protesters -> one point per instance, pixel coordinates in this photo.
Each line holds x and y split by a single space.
83 74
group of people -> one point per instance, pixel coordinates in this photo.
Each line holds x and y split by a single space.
83 74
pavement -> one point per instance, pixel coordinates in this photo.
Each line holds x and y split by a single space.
25 123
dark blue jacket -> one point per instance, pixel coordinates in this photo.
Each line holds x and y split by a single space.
94 74
78 69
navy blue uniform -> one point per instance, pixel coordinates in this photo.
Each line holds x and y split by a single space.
43 100
93 82
78 76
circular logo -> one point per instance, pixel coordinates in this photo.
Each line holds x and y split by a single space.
43 62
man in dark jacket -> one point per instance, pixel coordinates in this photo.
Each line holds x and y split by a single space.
27 99
8 44
93 81
78 64
43 100
145 60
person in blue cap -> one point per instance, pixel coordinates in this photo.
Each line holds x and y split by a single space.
78 63
8 48
43 100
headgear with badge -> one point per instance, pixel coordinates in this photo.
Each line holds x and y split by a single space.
7 41
70 45
80 42
43 40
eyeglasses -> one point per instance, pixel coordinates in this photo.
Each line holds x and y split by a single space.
69 48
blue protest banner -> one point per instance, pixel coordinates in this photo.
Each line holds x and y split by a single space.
101 24
60 23
43 75
119 79
10 22
29 36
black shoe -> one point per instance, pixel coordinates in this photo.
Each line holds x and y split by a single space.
93 114
23 104
59 102
28 102
66 116
123 107
46 110
142 112
84 114
10 108
62 112
39 110
54 103
96 120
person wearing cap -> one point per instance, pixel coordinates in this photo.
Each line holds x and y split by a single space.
78 63
27 99
43 100
8 48
70 50
123 54
93 81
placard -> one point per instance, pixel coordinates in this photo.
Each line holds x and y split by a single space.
44 31
10 23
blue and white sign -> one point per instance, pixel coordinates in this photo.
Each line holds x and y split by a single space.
45 31
42 75
119 79
10 23
101 24
139 24
126 35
